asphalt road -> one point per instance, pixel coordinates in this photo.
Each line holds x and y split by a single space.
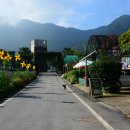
44 105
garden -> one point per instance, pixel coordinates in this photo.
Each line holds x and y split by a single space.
15 73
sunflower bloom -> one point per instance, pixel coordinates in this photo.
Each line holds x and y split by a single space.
28 66
1 54
17 57
23 64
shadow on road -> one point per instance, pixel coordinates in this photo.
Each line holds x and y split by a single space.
68 102
27 95
37 81
28 88
48 74
33 95
54 93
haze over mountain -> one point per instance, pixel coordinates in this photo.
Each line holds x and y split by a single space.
14 37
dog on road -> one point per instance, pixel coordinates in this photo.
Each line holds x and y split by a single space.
64 86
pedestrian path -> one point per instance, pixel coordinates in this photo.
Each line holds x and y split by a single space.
120 102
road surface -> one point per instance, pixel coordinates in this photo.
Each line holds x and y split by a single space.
44 105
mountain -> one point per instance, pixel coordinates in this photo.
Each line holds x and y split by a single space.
117 27
20 35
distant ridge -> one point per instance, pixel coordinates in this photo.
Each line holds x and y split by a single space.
14 37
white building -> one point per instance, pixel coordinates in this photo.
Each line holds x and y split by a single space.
126 62
38 45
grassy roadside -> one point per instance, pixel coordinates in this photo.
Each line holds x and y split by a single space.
10 83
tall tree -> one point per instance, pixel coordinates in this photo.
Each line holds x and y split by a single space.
124 42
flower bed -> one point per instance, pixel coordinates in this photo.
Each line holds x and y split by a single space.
12 81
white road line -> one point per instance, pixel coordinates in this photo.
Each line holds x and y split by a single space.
103 122
2 104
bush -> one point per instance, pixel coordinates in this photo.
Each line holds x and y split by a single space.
72 79
12 82
17 82
82 73
109 70
5 79
25 76
72 76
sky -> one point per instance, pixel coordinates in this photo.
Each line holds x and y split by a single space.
80 14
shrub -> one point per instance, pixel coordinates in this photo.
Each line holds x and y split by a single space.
25 76
109 70
72 76
12 82
82 73
4 79
65 76
17 82
72 79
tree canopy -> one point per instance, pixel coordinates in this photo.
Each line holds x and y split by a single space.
25 54
124 42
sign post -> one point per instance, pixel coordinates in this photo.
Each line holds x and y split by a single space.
95 87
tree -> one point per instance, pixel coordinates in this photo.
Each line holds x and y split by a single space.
124 42
109 70
68 51
25 54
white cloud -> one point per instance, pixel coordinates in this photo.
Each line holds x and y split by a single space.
12 10
76 18
60 12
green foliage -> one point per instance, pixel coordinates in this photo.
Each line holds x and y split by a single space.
17 82
4 79
68 51
11 82
25 76
26 54
109 70
6 64
124 42
72 76
82 73
12 62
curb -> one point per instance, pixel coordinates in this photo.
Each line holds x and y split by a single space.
108 106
